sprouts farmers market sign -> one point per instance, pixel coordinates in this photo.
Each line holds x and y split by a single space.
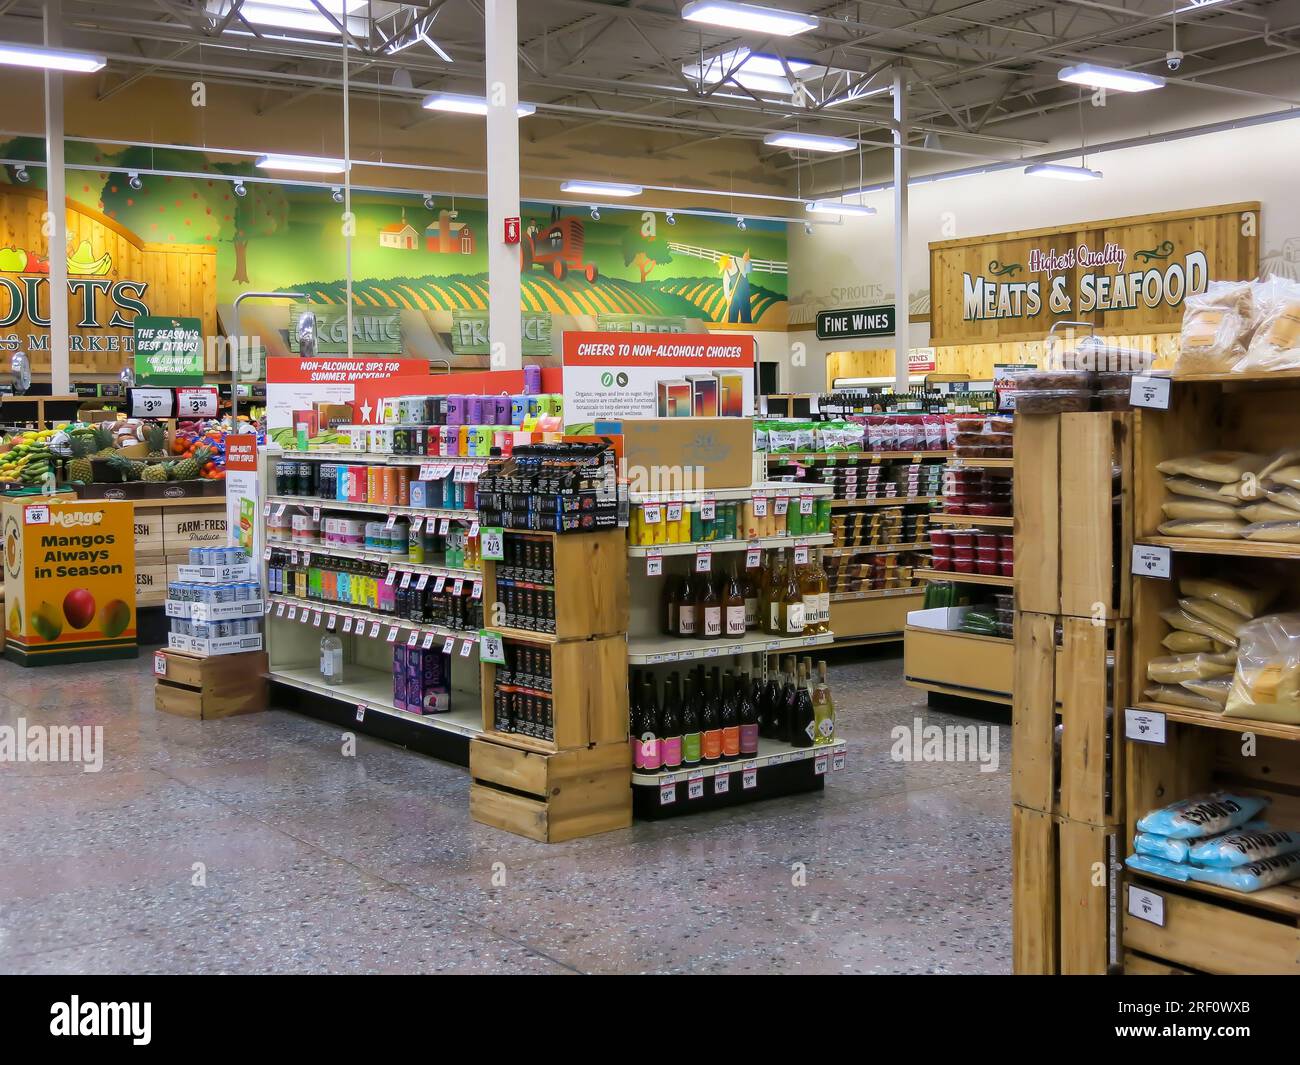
93 303
1126 276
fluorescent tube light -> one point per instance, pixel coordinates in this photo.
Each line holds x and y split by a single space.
1109 78
809 141
600 188
309 164
835 207
26 55
1063 173
302 14
461 104
749 17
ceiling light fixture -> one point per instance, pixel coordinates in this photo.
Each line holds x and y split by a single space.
749 17
336 194
307 164
462 104
755 71
600 188
1062 172
21 176
595 213
133 179
240 189
740 224
1109 78
836 207
811 142
27 55
303 15
670 218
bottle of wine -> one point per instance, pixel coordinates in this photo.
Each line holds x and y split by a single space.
733 604
775 589
670 726
711 721
690 723
769 706
668 607
635 718
748 713
792 605
823 706
687 620
651 754
789 699
803 721
730 719
708 610
751 600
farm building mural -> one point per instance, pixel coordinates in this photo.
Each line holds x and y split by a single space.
406 254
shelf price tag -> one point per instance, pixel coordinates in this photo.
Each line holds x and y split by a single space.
413 638
837 760
491 647
753 555
801 555
439 582
293 558
196 402
374 629
673 511
392 634
651 514
721 783
361 711
347 624
1151 561
654 564
473 529
1146 905
820 764
427 471
304 617
293 613
749 778
695 787
315 513
315 619
406 579
1152 392
780 505
760 506
332 620
477 591
422 581
1144 726
703 559
466 648
805 504
449 645
390 577
667 794
417 523
266 554
492 543
392 520
458 586
152 402
428 641
708 508
159 664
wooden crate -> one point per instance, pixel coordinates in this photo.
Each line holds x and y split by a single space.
210 687
148 532
150 582
1073 515
1080 681
591 589
551 797
958 663
186 527
588 694
1061 879
854 619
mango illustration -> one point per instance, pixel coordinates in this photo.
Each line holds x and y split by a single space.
46 622
79 608
114 618
16 618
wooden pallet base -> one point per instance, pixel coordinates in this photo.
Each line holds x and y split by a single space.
550 797
208 688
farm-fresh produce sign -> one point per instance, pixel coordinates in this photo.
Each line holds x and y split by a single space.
69 580
168 351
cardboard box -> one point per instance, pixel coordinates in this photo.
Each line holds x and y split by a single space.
332 415
663 454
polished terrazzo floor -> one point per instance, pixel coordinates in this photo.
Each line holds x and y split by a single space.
315 862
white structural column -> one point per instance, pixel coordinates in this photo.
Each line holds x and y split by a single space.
902 325
504 322
57 221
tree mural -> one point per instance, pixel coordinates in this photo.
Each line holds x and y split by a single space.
645 253
262 212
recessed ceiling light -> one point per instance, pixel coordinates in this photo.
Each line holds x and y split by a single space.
24 55
810 142
836 207
749 17
1063 173
309 164
1110 78
463 104
600 188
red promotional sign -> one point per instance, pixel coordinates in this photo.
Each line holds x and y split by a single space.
241 453
339 369
512 230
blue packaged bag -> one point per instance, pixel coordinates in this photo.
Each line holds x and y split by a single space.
1203 815
1261 874
1243 846
1181 850
1144 863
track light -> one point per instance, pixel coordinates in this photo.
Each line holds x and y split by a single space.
133 179
595 214
740 224
670 218
336 194
807 229
240 189
428 201
21 176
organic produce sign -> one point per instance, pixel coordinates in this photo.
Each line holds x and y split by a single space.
69 580
168 351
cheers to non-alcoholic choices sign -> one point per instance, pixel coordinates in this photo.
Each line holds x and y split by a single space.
1123 275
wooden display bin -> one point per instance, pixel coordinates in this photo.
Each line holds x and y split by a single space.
958 663
550 797
1074 513
210 687
591 591
589 696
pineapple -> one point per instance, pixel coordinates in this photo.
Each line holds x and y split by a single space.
80 468
128 469
188 469
105 442
154 472
156 437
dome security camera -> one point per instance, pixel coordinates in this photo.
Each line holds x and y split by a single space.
1174 59
133 179
240 189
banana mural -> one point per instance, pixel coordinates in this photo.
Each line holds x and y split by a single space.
81 262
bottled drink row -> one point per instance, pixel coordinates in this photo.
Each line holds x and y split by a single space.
521 693
416 541
705 718
353 583
392 486
915 401
527 558
683 523
781 598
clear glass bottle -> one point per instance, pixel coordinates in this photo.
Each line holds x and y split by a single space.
331 657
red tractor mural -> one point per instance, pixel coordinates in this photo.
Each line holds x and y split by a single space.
557 249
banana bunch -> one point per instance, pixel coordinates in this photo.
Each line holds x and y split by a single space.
28 459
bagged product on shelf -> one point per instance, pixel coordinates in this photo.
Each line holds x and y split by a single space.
1285 477
1274 532
1261 874
1266 686
1146 863
1249 489
1284 497
1197 509
1180 850
1255 513
1178 618
1218 616
1202 815
1174 669
1216 325
1243 846
1177 695
1206 528
1286 457
1184 642
1194 487
1214 688
1225 467
1240 599
1275 344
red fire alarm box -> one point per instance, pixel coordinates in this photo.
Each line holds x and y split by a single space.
512 230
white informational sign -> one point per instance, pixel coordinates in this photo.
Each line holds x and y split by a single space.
243 527
610 376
